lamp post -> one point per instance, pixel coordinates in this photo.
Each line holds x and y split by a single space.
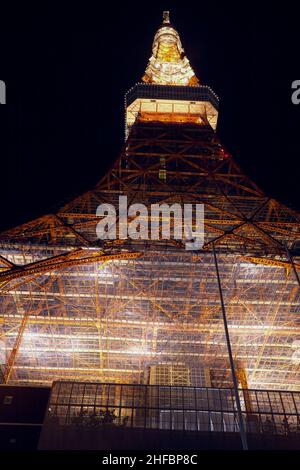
233 374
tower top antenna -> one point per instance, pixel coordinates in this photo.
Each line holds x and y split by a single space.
166 17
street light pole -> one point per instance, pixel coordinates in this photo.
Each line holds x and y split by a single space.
234 379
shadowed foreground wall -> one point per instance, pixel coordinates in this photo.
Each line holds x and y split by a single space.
22 411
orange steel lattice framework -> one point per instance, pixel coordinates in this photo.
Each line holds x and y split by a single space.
74 307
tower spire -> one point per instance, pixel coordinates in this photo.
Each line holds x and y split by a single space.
166 17
168 64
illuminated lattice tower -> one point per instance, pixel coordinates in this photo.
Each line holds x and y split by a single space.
77 308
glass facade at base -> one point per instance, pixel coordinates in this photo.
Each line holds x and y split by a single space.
161 407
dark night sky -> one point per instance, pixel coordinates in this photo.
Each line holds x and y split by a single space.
67 68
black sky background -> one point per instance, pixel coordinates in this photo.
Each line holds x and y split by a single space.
67 67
